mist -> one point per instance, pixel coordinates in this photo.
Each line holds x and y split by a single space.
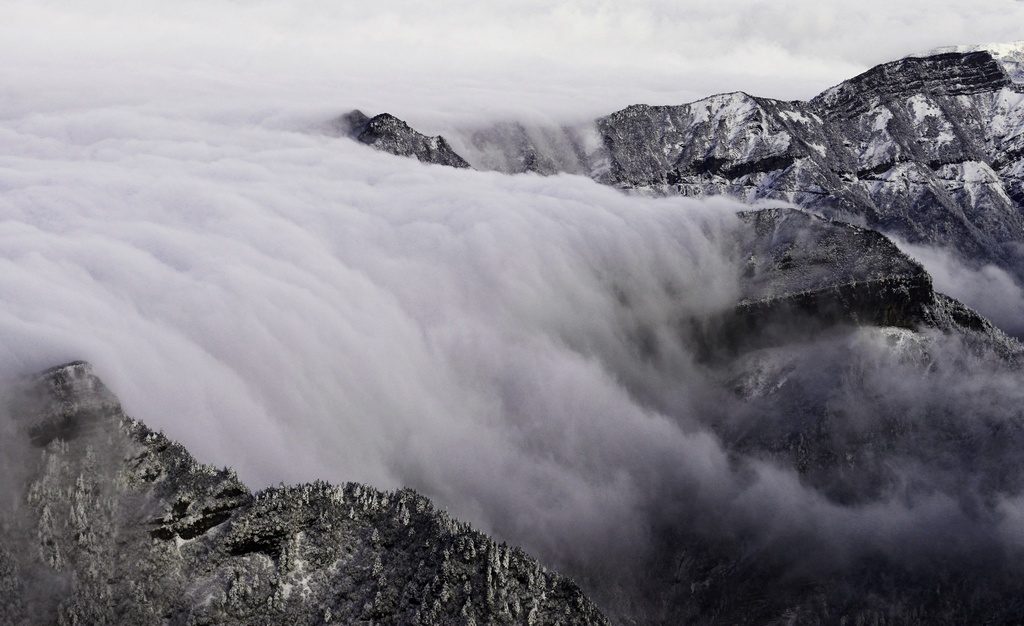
990 290
457 62
319 310
298 307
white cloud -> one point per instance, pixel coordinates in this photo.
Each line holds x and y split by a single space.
299 306
989 290
457 60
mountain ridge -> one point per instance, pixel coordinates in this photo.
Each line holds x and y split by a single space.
119 524
1009 54
929 149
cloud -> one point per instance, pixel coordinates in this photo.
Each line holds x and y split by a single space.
989 290
448 62
298 306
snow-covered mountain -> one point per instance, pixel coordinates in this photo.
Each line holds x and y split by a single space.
120 525
929 148
843 443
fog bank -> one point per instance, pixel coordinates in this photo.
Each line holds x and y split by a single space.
298 306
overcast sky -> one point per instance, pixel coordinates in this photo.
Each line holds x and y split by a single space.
431 61
299 306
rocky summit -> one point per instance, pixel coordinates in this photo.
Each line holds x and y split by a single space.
106 522
803 272
390 134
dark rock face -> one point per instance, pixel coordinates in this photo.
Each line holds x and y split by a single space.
390 134
793 255
803 273
850 373
113 523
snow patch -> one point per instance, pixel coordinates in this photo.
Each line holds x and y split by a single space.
923 108
978 172
797 116
883 119
880 147
727 106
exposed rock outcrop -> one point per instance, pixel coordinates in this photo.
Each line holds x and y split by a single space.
803 274
108 522
388 133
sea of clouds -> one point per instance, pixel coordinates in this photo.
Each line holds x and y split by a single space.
298 306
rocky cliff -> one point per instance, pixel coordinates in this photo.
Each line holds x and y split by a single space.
107 522
388 133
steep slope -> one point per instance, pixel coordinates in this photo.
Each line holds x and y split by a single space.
108 522
803 274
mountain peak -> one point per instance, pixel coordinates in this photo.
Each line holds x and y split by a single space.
388 133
